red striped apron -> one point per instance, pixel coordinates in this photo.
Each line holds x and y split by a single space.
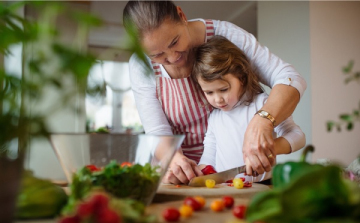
185 107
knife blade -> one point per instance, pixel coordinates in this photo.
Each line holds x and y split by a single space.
219 178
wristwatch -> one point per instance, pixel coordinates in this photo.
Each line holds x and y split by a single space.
266 115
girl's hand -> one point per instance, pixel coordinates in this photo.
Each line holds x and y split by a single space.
258 146
181 170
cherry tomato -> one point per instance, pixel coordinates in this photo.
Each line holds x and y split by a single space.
208 170
201 200
238 183
171 214
193 203
228 201
239 211
217 205
185 211
126 164
210 183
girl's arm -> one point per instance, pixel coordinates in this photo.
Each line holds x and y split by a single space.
290 137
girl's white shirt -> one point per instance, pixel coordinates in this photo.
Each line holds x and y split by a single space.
272 71
225 135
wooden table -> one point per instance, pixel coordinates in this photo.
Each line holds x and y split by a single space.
173 196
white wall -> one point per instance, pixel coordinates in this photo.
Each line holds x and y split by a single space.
335 39
284 28
319 38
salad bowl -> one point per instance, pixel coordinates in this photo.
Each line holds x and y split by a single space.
124 165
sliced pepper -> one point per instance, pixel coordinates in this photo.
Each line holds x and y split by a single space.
208 170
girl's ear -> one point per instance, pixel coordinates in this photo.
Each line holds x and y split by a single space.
181 14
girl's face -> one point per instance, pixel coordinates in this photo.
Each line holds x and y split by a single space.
169 44
223 93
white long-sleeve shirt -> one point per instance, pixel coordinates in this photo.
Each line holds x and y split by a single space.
271 69
226 130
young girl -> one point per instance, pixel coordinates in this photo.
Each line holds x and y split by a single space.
232 88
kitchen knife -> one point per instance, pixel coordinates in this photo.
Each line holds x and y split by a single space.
219 178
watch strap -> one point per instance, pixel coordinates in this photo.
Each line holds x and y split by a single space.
266 115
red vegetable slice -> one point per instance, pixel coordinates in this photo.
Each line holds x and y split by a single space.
208 170
93 168
126 164
247 184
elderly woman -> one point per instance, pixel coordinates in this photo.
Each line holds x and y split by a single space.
168 100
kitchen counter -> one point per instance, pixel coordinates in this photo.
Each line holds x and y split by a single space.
172 196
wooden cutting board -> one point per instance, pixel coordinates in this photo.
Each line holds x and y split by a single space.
204 215
169 192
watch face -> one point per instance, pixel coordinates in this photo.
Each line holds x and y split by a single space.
265 113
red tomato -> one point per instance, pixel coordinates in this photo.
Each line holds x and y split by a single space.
192 202
85 209
126 164
228 201
70 219
107 215
239 211
92 168
171 214
208 170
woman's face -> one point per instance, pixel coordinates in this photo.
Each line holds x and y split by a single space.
169 44
223 93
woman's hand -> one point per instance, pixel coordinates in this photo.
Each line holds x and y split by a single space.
181 170
258 147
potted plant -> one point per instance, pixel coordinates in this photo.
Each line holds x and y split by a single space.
47 62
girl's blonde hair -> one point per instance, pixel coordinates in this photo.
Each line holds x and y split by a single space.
148 15
219 57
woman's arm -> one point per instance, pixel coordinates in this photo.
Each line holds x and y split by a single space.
143 85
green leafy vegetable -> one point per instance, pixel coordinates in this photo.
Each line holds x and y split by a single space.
318 194
135 185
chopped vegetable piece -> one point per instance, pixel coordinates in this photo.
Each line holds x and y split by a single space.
210 183
208 170
126 164
192 202
239 211
93 168
217 205
201 200
171 214
228 201
238 183
247 184
186 211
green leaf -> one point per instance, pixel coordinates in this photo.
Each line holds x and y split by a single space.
329 125
349 126
346 117
347 69
356 113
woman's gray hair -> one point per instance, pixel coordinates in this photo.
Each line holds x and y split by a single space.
148 15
